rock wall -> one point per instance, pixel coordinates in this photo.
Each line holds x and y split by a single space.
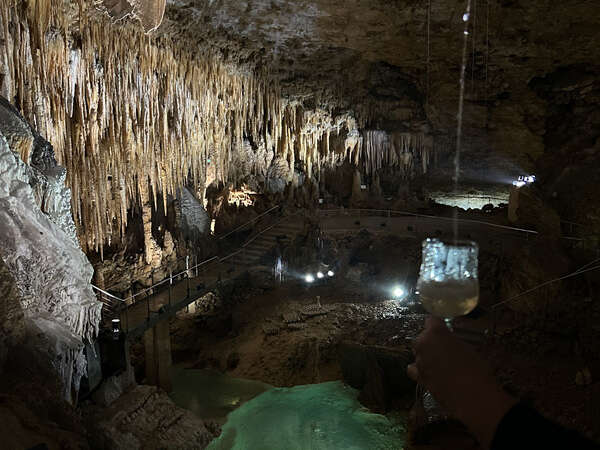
40 252
195 220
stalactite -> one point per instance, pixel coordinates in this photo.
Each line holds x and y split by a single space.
400 150
125 111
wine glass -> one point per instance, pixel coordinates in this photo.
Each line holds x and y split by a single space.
448 284
448 287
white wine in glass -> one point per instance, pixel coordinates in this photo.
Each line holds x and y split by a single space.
448 283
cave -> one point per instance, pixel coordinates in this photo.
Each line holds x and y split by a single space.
314 224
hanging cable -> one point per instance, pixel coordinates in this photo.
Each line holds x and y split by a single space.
428 50
579 272
487 45
461 100
473 51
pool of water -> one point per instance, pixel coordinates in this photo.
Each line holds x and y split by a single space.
211 395
324 416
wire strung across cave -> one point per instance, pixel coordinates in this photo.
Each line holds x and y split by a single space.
535 288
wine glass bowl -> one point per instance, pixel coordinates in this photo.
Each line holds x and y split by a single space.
448 282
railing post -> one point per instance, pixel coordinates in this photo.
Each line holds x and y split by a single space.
188 287
170 285
148 308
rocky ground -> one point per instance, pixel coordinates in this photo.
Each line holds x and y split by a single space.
145 417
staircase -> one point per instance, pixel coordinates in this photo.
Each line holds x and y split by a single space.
283 233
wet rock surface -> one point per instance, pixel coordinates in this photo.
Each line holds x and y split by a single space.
145 417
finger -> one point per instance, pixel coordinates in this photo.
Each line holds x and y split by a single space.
434 324
417 343
412 372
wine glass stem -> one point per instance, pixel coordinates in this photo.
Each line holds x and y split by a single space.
449 324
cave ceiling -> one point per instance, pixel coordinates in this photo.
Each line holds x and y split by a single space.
348 53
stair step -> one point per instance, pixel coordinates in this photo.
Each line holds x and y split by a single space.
249 250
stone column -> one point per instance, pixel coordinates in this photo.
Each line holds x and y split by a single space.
357 194
157 343
151 366
149 245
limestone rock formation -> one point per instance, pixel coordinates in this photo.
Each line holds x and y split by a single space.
145 418
195 219
51 273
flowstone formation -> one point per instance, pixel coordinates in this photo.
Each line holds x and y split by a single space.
41 254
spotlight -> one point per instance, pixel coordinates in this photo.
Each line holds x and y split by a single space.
398 292
465 17
116 328
330 273
309 278
320 275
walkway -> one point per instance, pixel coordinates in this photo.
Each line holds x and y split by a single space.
164 299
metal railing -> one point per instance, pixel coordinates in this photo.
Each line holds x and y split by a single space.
253 238
115 306
168 267
163 268
250 222
391 213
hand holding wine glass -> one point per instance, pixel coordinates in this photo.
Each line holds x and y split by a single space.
459 379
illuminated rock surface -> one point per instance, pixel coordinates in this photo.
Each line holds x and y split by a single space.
51 273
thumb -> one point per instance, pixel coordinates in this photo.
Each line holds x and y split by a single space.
435 324
412 372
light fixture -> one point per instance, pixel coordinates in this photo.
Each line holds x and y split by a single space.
309 278
330 273
465 17
116 328
320 275
398 292
523 180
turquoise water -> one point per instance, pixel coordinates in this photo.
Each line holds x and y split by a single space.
323 416
211 395
256 416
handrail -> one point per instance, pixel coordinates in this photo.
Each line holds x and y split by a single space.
389 212
153 271
156 284
252 239
250 221
107 293
161 282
